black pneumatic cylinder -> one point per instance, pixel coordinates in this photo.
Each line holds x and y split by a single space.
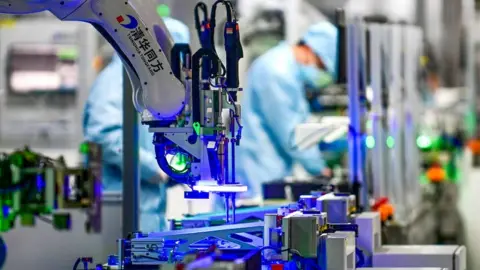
340 21
196 92
234 51
179 55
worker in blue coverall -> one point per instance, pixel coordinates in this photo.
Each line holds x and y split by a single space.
103 122
274 103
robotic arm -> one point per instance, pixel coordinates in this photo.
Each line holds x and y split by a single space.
191 132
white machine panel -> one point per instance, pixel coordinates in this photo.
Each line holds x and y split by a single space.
51 114
449 257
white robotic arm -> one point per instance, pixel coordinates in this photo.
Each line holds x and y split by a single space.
138 35
185 118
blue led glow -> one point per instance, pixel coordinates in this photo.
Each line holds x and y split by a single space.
5 211
112 260
40 182
195 195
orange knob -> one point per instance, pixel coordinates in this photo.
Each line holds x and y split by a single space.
386 211
436 174
474 146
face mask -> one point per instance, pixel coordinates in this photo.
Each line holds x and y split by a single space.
315 77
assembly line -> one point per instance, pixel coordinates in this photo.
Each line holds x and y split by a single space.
333 144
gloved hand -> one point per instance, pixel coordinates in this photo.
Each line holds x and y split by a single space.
327 172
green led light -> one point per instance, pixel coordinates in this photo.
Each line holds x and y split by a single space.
370 142
84 148
196 127
67 54
180 163
390 142
17 160
163 10
424 142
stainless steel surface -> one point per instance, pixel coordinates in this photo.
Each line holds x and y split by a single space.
378 113
450 257
391 80
300 234
451 43
356 163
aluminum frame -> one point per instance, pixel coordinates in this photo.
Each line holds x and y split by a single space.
141 247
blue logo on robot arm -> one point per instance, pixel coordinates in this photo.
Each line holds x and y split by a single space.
128 22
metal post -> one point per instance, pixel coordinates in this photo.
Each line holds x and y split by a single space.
393 47
131 174
355 141
412 43
469 21
379 164
451 41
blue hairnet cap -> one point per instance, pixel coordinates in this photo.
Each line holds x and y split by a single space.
322 39
178 30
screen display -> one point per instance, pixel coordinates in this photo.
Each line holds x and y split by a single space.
42 68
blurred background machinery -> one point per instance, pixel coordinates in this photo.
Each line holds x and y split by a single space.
42 198
35 186
47 70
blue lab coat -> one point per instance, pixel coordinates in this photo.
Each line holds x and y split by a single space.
273 104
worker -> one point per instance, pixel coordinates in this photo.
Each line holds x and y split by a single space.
274 103
103 122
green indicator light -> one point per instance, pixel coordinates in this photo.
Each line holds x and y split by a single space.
84 148
17 160
424 142
196 127
390 142
4 227
370 142
180 163
67 54
163 10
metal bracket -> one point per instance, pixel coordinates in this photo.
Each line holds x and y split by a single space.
154 249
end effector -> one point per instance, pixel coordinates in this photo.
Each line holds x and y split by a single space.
200 144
